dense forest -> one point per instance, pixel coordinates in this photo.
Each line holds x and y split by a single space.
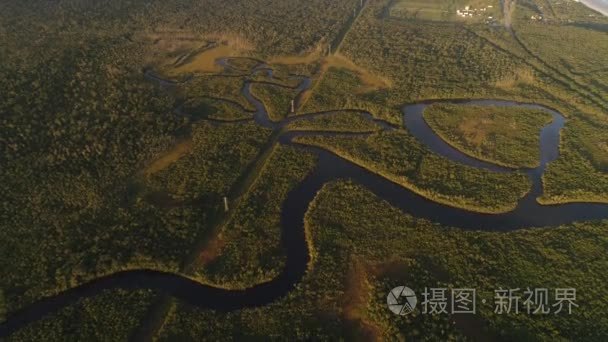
254 227
75 129
272 27
121 136
119 312
382 248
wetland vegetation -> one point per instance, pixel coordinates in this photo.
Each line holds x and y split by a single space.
580 174
254 227
383 248
502 135
342 121
122 132
277 99
399 157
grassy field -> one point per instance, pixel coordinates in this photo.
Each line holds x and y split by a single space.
401 158
363 248
501 135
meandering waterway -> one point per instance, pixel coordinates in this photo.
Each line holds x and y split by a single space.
331 167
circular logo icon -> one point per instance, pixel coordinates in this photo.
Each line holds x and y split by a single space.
401 300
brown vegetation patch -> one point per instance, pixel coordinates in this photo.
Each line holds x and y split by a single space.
521 76
169 157
211 251
297 59
356 297
370 80
475 131
205 62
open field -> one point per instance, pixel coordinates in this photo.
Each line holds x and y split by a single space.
308 58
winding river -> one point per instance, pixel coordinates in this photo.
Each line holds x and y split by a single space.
330 167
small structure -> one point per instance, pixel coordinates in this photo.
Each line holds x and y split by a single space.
225 204
470 11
